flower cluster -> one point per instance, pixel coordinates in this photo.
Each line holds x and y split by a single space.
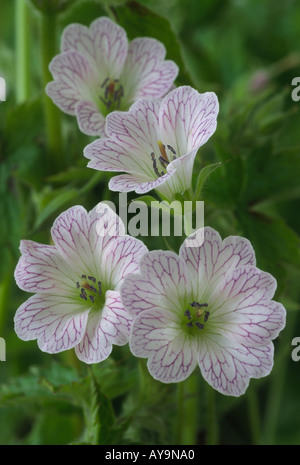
96 286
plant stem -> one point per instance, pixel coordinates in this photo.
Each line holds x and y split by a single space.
254 416
187 414
212 433
52 113
22 50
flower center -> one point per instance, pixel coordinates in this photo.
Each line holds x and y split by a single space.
111 94
195 316
91 290
161 162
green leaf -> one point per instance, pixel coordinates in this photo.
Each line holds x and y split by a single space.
52 203
202 177
139 21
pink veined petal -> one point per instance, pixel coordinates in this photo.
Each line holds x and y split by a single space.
138 129
188 118
75 79
162 283
122 259
228 366
104 42
130 183
110 155
243 309
105 328
57 323
182 170
156 336
42 269
209 259
146 73
80 237
90 120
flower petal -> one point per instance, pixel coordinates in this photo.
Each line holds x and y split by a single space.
105 42
209 259
80 237
162 283
146 73
122 259
244 309
75 79
42 269
155 335
57 323
130 183
108 327
228 366
90 120
188 118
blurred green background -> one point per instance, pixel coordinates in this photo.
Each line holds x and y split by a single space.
248 52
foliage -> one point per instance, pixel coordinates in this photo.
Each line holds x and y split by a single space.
248 176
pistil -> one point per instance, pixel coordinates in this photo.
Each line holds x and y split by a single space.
196 315
113 92
163 159
88 290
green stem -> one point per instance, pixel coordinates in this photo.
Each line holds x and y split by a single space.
52 113
212 433
254 416
22 35
187 412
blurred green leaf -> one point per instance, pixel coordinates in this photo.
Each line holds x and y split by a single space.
139 21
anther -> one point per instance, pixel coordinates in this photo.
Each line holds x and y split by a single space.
99 288
171 148
199 325
188 314
91 278
189 324
163 161
83 294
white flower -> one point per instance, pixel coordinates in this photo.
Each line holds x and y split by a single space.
98 71
76 283
156 142
208 307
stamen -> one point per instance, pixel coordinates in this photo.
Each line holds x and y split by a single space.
155 165
188 314
164 162
83 294
88 290
196 315
104 82
113 92
199 325
171 148
99 288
